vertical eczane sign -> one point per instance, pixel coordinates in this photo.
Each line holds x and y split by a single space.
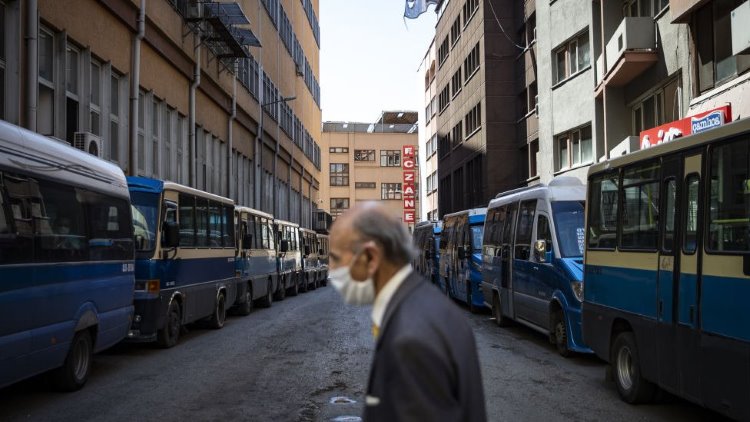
408 165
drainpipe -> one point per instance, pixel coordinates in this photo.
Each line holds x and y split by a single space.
134 84
230 141
191 119
32 63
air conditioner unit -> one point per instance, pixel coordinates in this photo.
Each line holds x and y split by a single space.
740 31
87 141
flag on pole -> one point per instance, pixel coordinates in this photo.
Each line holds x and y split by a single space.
414 8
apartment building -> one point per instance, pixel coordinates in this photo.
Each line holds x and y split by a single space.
221 96
372 162
478 154
428 139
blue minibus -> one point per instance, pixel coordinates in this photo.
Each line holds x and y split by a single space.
66 258
427 242
532 258
185 253
461 256
288 259
667 269
255 260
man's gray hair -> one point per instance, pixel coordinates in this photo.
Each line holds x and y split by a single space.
388 232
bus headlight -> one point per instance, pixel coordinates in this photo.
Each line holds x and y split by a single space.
577 287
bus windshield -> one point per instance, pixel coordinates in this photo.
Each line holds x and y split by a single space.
568 216
145 213
477 232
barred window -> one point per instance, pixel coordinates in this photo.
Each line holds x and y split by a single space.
364 185
338 206
364 155
338 150
390 191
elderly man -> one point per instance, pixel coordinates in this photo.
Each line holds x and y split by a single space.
425 366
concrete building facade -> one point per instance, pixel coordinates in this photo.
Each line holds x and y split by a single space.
428 139
364 162
190 91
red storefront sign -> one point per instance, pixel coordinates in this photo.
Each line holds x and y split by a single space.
409 216
409 177
408 164
409 151
698 123
409 190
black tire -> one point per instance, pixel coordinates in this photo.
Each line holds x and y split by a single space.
220 312
169 335
303 285
246 307
497 312
294 290
267 300
280 293
559 334
324 280
75 370
314 284
473 309
626 365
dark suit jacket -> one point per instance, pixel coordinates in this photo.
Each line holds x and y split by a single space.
426 366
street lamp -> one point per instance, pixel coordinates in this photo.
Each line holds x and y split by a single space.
259 157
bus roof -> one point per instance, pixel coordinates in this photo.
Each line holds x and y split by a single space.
38 155
253 211
302 229
730 129
476 215
285 223
147 184
561 188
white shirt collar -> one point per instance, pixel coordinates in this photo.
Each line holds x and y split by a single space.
384 296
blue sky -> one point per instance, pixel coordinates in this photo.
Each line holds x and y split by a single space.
369 58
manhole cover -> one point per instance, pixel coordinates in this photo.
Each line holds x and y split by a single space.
342 400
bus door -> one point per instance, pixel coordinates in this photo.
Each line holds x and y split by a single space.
506 281
459 273
668 282
524 289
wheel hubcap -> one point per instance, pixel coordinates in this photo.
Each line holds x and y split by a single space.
81 357
625 368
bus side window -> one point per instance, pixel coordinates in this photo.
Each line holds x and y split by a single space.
525 226
16 245
187 220
543 231
692 184
68 240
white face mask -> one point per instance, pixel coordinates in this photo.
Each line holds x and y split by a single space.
354 292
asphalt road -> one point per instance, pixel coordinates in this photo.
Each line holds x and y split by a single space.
307 359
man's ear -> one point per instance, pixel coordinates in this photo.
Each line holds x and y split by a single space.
374 258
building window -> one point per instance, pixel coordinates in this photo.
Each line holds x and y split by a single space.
443 51
72 94
114 117
471 63
46 104
456 83
474 120
456 30
364 155
390 158
2 60
713 35
338 206
364 185
643 8
338 150
572 57
470 7
339 174
659 107
444 98
390 191
574 148
457 134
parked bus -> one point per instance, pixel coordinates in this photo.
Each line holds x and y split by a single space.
668 269
310 264
184 268
66 258
427 243
289 259
461 256
255 259
323 258
533 260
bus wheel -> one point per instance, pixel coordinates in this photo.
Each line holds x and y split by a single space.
473 309
281 291
267 300
313 285
294 290
220 312
500 320
247 306
633 388
560 334
75 370
170 334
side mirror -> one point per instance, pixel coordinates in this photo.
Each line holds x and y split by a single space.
171 234
540 248
284 247
247 240
307 250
